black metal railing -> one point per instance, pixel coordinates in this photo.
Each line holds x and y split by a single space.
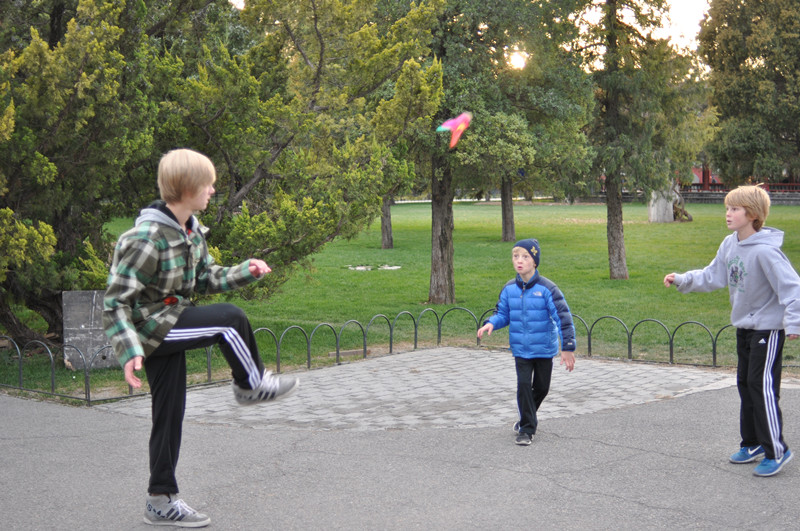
20 354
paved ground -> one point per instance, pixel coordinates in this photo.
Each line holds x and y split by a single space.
438 388
416 440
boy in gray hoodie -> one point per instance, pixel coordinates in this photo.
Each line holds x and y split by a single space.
765 309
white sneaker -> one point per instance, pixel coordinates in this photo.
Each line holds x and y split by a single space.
270 388
169 510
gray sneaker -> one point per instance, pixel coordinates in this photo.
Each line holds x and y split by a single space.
270 388
524 439
170 510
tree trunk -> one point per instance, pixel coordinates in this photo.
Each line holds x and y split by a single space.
48 305
617 265
57 26
387 241
507 208
618 268
442 288
14 328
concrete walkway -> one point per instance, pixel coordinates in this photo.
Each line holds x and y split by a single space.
416 440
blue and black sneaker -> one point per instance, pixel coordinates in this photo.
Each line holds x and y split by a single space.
747 454
770 467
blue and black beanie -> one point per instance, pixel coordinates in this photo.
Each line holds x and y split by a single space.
532 246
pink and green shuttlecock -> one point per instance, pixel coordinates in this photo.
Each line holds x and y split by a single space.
456 126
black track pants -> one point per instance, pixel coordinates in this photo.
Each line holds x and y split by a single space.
197 327
758 379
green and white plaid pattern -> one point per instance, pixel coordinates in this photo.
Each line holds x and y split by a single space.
153 261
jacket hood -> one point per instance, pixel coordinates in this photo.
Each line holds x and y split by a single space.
766 236
158 212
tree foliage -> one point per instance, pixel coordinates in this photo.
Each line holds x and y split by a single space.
69 142
753 51
301 104
305 123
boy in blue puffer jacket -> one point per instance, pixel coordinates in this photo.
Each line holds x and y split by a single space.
541 327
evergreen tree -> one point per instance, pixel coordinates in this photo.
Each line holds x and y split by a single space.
753 51
302 117
526 123
648 111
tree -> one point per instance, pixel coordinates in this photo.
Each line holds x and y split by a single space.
644 90
48 17
512 134
80 148
497 154
307 124
303 116
70 142
551 99
753 51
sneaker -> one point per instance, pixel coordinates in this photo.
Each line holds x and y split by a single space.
747 454
770 467
169 510
516 427
524 439
270 388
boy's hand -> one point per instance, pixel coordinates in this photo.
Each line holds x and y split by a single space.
568 359
134 364
488 327
258 268
669 279
792 336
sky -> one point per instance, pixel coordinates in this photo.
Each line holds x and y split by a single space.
686 16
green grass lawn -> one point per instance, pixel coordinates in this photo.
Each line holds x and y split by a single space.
574 255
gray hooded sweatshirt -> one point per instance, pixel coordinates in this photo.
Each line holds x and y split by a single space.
764 288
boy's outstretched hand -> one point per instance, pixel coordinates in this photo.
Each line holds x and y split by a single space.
669 279
568 359
258 268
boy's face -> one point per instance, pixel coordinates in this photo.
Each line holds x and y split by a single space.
199 201
523 262
736 218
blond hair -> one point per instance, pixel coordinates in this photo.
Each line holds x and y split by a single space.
183 171
755 201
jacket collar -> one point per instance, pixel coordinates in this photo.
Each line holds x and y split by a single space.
523 285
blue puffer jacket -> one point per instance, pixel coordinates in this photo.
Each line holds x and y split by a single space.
538 316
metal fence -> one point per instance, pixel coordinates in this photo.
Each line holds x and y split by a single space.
13 351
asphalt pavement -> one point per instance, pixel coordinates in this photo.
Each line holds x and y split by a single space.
414 440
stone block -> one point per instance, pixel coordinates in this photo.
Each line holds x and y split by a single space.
83 329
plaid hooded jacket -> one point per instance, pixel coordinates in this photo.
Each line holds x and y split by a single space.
157 267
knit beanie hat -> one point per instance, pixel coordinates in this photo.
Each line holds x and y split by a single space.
532 246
